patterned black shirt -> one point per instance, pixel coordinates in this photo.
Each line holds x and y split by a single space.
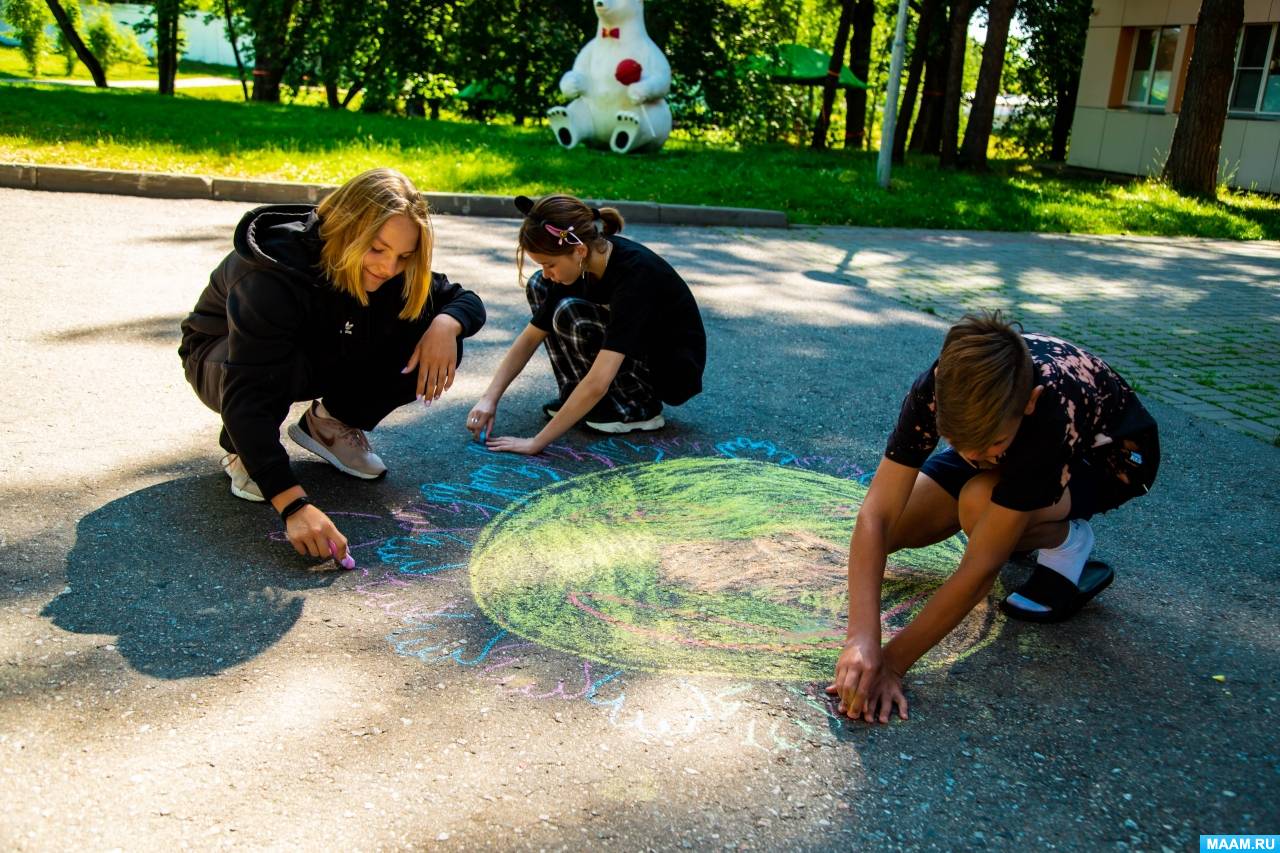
1085 405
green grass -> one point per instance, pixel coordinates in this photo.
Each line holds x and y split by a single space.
53 66
194 134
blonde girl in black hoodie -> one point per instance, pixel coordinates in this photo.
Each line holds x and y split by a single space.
333 303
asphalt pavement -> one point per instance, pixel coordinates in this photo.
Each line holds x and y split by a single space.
490 677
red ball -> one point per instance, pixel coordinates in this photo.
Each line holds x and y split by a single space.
627 72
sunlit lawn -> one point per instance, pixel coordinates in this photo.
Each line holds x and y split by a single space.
222 136
54 67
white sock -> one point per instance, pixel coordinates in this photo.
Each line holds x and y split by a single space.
1068 559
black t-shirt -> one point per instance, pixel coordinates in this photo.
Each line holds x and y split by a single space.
1084 405
653 317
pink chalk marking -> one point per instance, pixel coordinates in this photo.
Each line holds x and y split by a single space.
905 604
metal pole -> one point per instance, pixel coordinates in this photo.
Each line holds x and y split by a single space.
885 162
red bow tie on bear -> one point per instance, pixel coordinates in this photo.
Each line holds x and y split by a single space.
606 33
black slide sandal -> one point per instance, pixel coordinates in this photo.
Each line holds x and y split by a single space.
1064 599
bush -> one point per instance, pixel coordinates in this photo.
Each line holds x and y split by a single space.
112 45
28 19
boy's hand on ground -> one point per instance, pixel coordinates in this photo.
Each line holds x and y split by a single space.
884 695
310 531
865 685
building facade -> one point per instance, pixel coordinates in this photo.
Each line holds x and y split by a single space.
1132 82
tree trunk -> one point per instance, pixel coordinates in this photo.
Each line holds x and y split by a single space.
956 44
926 138
267 74
83 53
351 93
331 95
977 135
833 76
1063 116
168 21
855 100
235 46
914 72
270 51
521 71
1192 167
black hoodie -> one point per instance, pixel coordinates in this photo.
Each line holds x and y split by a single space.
278 311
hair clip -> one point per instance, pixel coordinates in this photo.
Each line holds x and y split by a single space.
563 234
524 204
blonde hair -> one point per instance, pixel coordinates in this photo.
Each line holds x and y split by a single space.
350 219
566 215
985 377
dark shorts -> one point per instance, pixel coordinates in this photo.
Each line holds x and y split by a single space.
1098 479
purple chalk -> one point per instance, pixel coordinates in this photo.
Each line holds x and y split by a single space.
347 562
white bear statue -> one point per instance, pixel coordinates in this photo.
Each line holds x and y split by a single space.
618 84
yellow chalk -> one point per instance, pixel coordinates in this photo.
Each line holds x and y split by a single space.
1219 678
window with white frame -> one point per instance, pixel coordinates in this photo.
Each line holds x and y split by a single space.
1151 74
1256 87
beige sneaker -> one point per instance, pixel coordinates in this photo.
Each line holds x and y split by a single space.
242 486
343 447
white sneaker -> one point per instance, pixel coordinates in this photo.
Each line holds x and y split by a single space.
242 485
619 426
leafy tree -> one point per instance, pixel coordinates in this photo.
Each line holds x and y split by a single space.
520 49
279 29
1050 74
706 41
71 43
166 23
28 19
410 45
233 38
1192 167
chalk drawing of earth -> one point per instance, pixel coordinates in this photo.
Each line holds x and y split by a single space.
700 565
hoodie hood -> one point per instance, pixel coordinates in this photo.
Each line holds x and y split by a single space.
284 238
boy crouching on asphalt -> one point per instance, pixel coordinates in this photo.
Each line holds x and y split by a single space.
1042 436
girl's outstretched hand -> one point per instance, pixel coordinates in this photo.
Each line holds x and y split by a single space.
511 444
480 419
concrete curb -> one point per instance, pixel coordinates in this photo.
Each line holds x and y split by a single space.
157 185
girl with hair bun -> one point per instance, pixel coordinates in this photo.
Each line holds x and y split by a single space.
335 304
620 326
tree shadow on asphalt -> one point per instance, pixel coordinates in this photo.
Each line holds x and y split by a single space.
153 330
189 590
185 238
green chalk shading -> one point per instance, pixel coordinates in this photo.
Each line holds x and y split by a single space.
705 565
